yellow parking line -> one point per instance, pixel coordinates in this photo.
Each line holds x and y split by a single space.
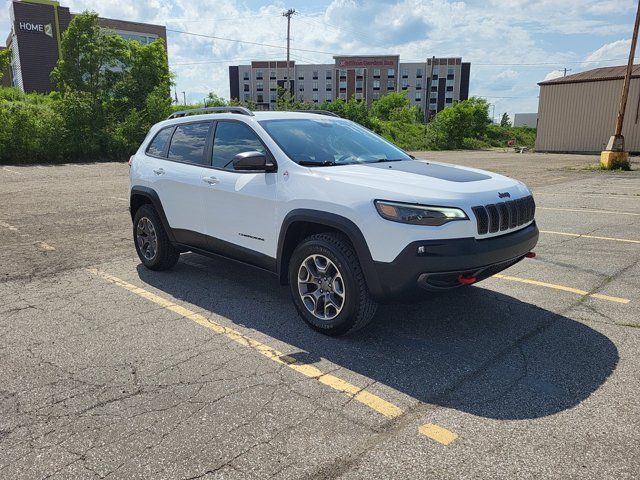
437 433
586 210
358 394
578 235
563 288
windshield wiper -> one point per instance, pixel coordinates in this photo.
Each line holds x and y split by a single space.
311 163
380 160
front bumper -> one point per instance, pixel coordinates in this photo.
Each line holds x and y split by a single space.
436 264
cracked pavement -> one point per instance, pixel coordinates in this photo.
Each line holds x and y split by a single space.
97 382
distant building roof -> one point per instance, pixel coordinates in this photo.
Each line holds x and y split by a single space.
595 75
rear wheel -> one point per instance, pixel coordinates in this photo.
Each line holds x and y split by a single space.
328 286
152 244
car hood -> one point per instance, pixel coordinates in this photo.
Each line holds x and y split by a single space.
417 180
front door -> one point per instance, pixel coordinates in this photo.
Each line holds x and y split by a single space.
240 206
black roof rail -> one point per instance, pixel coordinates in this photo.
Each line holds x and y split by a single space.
184 113
321 112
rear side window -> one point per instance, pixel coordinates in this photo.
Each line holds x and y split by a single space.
158 144
231 139
188 143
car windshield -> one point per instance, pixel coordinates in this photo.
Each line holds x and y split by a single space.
326 142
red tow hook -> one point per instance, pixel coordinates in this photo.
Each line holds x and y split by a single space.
466 280
531 255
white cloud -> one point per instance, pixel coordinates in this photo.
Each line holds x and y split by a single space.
615 50
553 75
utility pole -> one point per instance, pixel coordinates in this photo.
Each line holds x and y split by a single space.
566 70
615 155
184 98
289 13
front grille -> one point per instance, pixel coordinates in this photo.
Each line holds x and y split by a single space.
504 215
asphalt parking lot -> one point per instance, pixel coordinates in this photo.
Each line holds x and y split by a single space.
205 371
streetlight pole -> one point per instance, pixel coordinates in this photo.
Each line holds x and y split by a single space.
615 155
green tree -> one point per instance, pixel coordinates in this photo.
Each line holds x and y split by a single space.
395 107
462 125
505 121
5 59
214 100
90 60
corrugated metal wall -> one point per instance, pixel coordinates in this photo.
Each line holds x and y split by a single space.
580 117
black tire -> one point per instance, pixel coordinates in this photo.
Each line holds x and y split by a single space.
166 255
358 307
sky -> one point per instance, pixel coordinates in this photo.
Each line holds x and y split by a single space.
511 44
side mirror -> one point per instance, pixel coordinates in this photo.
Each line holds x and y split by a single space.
253 162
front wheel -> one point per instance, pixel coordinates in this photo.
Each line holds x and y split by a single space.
328 286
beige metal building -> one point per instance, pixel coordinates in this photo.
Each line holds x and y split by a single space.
577 113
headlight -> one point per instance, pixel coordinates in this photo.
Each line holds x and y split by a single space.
418 214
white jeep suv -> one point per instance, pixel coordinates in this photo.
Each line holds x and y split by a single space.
340 214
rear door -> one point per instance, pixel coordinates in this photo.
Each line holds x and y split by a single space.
179 180
240 206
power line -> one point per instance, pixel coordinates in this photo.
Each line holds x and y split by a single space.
214 37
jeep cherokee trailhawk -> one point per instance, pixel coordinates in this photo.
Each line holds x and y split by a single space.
341 215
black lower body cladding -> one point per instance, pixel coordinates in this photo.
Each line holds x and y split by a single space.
437 264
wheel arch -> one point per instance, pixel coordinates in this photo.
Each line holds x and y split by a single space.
140 196
299 224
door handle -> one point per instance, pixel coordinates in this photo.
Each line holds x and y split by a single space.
159 171
211 180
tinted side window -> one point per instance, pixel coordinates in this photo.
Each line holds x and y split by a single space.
188 143
157 145
231 139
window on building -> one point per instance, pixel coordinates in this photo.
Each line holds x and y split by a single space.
315 86
376 95
376 84
273 97
315 97
157 146
247 97
359 72
343 73
405 72
418 96
390 85
260 98
259 86
434 77
434 88
376 72
434 94
359 96
419 73
450 71
359 84
188 143
328 75
301 76
273 85
301 87
272 74
343 84
246 87
315 74
343 95
258 74
245 76
328 97
391 72
450 88
405 83
433 100
418 86
448 100
231 139
328 86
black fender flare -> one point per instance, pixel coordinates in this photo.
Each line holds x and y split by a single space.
337 222
154 199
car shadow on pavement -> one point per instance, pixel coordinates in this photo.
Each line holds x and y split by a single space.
473 350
